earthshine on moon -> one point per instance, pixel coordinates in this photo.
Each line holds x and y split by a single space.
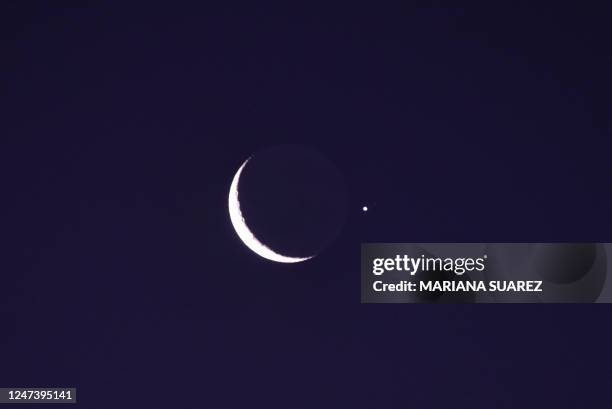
243 231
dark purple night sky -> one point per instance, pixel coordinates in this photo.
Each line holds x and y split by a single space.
123 125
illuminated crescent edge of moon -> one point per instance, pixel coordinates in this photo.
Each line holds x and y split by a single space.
247 237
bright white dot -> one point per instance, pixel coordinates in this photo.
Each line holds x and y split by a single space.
364 208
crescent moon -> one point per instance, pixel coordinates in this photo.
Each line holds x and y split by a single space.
243 231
